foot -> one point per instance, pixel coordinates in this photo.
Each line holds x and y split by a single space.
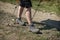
33 29
19 21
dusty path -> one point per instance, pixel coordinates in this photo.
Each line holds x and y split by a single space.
17 32
9 8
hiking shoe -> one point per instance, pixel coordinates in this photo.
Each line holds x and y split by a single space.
19 21
33 29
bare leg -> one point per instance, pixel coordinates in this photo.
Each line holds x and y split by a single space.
20 10
18 20
29 19
28 15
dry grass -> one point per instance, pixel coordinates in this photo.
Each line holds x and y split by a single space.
11 31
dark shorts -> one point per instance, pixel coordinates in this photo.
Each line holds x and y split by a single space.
26 4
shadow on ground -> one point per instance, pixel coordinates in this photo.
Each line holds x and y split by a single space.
49 24
17 32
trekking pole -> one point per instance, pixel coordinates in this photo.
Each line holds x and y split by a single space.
15 8
36 9
17 4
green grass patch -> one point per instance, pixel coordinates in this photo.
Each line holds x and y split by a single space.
9 1
49 6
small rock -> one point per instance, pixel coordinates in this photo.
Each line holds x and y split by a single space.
12 19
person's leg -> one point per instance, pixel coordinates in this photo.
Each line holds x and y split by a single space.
29 20
28 15
20 11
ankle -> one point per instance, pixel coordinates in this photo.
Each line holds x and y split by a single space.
31 24
19 18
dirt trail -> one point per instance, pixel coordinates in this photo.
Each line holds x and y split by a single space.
39 16
17 32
